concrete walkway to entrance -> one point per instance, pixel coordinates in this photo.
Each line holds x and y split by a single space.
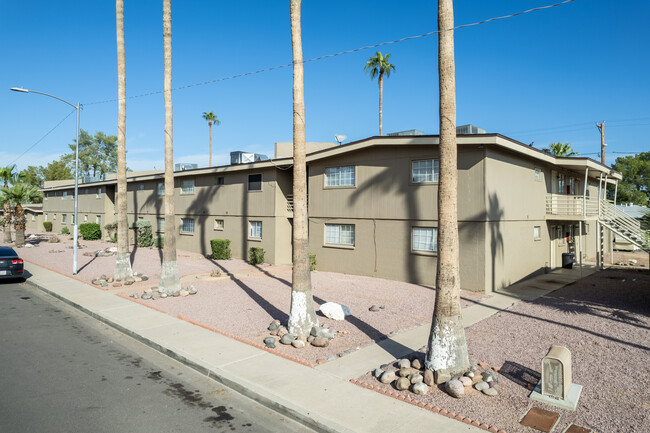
321 398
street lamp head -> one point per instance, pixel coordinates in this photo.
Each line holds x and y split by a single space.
19 89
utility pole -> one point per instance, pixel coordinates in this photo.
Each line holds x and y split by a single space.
601 128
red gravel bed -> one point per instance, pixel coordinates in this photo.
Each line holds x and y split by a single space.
603 320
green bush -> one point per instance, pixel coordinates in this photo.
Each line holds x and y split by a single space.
90 231
47 225
312 262
143 233
159 241
220 249
255 255
65 230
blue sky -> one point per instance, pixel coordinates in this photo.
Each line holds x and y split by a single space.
540 77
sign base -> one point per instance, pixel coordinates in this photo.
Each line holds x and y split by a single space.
571 402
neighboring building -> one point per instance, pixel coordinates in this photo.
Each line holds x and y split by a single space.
373 207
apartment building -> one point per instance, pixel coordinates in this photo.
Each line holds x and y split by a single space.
373 207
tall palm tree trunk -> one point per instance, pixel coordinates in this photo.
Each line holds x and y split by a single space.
123 260
7 218
210 161
381 101
302 316
19 224
447 345
169 279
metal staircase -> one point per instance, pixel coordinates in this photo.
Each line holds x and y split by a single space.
623 225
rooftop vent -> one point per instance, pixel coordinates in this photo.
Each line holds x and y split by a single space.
182 166
409 132
469 129
239 157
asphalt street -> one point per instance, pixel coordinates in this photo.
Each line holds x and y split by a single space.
63 371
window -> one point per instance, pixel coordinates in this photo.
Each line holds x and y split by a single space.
569 234
47 195
255 229
161 188
220 180
339 234
187 186
160 224
99 193
98 220
187 225
255 182
340 176
33 217
54 217
64 195
141 187
64 218
538 174
537 235
218 224
46 217
558 235
85 218
425 171
86 191
424 239
561 182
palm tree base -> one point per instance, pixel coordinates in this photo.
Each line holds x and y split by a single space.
169 279
447 346
122 267
302 316
7 234
20 238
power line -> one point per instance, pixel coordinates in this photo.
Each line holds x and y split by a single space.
43 137
327 56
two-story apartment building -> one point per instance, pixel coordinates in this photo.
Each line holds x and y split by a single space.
373 207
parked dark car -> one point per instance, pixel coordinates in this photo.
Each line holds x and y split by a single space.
11 266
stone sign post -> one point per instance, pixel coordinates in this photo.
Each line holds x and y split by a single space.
555 387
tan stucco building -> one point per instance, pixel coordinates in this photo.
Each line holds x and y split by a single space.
373 207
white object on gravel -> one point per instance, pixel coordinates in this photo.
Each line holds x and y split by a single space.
335 311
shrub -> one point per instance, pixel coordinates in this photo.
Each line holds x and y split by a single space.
65 230
54 239
90 231
255 255
220 249
143 233
47 225
159 241
2 221
312 262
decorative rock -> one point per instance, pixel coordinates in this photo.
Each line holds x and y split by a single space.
493 384
480 386
137 279
155 296
282 331
298 344
428 377
441 376
287 339
148 291
388 376
416 364
104 284
321 332
270 342
146 296
144 278
415 378
487 376
163 295
176 293
404 372
117 284
275 331
128 283
135 296
109 280
466 381
184 293
420 388
374 309
320 342
490 391
402 384
310 338
378 372
472 368
455 388
470 374
192 290
273 326
335 311
404 363
129 279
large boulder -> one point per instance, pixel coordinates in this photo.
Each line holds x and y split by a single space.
455 388
334 311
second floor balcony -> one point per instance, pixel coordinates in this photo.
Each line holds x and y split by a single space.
561 206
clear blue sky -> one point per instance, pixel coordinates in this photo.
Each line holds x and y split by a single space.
543 77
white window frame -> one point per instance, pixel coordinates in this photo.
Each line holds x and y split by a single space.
99 193
254 229
538 173
64 218
54 217
248 186
218 224
46 217
85 218
420 244
187 186
160 224
424 174
98 219
161 188
190 225
343 176
537 233
335 234
64 195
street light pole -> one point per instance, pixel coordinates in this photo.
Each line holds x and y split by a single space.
76 174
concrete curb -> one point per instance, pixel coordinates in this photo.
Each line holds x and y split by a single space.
250 390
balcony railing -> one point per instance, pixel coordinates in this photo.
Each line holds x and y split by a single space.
571 205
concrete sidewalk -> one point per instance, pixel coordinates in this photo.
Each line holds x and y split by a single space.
322 398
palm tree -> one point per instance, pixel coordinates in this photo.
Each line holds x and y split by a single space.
560 149
378 66
302 316
447 347
169 279
211 118
123 259
18 194
7 174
